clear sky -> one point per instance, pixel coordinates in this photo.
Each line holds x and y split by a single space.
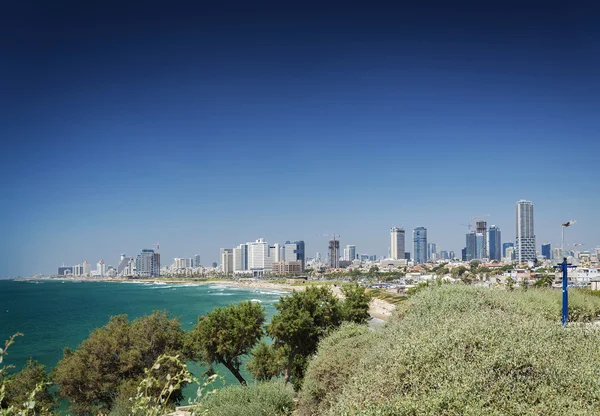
124 124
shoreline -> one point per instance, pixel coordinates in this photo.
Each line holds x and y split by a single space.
378 308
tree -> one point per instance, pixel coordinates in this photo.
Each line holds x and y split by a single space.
267 361
458 271
303 318
226 334
355 307
19 387
119 352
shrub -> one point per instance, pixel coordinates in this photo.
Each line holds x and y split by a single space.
270 398
337 359
472 351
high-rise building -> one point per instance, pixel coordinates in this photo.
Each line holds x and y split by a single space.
197 260
101 268
123 263
479 245
431 251
178 263
227 260
547 251
350 253
86 267
525 241
463 254
334 253
471 246
505 246
65 270
294 251
510 254
494 243
420 245
397 247
482 229
240 258
276 252
147 263
259 258
444 255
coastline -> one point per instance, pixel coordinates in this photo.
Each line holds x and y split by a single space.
378 308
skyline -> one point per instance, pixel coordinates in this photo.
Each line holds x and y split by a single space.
199 126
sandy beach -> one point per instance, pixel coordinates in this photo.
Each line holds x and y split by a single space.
378 308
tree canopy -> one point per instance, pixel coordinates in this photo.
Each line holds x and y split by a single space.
303 318
119 352
226 334
355 307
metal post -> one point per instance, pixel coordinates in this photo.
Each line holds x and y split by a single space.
565 297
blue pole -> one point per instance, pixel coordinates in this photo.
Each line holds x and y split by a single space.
565 297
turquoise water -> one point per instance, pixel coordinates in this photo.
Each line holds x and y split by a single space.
53 315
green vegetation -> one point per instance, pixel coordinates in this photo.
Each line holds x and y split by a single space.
463 350
19 386
338 359
226 334
261 399
303 318
355 307
115 355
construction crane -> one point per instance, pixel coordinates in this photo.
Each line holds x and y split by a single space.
157 245
468 225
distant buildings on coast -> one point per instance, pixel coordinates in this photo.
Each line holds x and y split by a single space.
261 258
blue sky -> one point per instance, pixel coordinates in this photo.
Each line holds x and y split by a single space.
206 126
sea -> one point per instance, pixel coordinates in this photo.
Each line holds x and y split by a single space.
54 314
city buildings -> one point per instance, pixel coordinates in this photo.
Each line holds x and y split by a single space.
227 260
505 246
123 263
525 234
481 228
333 253
294 251
431 251
479 246
420 245
147 264
100 268
547 251
65 270
350 253
471 246
495 243
287 267
240 258
397 244
197 260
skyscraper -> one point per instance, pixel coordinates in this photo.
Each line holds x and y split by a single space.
147 263
197 260
494 243
294 251
258 256
351 252
482 229
505 246
420 245
240 258
227 260
479 245
431 251
334 256
471 246
397 246
547 251
525 241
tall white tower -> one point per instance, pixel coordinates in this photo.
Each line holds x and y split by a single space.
525 234
397 247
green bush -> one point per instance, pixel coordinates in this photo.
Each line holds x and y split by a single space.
270 398
461 350
338 357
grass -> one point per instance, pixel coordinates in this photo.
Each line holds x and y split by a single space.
392 298
461 350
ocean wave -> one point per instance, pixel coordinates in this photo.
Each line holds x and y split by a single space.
256 300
